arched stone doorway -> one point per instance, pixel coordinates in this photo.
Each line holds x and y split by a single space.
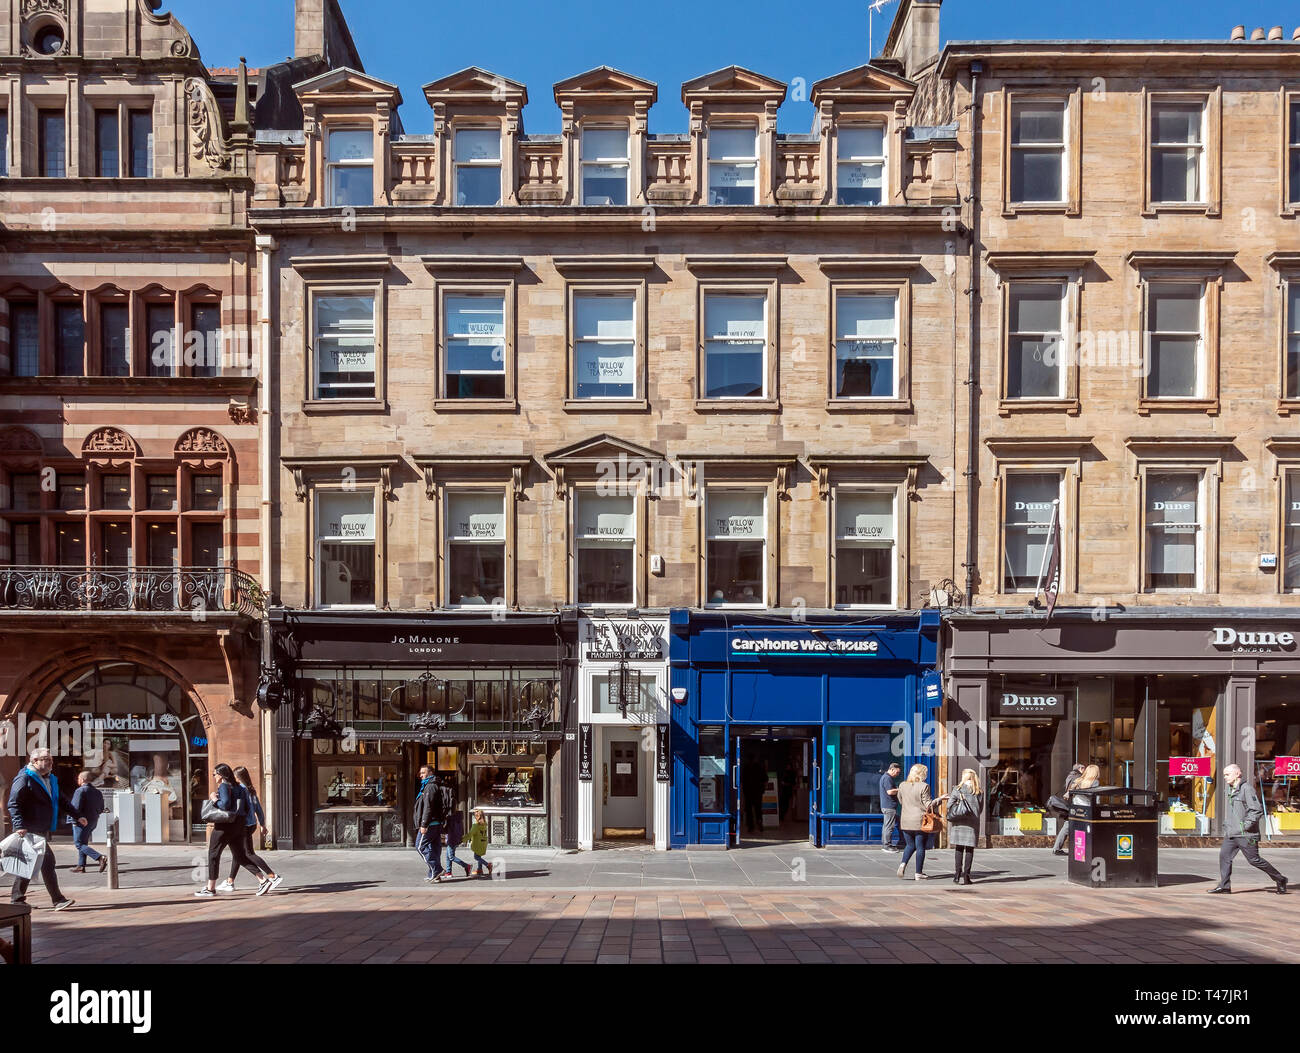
142 735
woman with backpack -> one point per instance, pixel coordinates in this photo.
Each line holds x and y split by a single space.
965 805
229 798
256 821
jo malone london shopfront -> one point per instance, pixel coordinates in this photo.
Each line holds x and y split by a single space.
374 696
1159 699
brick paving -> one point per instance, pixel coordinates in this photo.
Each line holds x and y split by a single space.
364 907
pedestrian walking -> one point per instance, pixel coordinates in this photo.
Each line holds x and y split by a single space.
965 806
1241 832
478 841
89 803
427 819
36 804
1063 814
453 827
889 806
914 802
254 826
229 797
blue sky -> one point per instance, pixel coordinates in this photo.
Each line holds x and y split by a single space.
411 42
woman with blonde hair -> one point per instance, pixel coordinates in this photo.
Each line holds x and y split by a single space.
1090 778
965 805
914 802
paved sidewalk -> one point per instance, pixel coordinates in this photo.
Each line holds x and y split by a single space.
631 906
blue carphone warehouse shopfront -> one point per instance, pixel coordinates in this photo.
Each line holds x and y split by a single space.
782 727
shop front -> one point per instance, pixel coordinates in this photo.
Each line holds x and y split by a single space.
1157 699
373 697
781 727
622 771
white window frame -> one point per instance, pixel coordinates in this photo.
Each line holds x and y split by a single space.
841 293
1201 527
450 539
849 492
480 162
1291 336
1005 524
1157 104
1020 149
632 545
739 293
882 159
1062 369
494 294
1290 478
318 539
625 162
615 293
730 162
319 292
1292 117
1149 337
709 537
347 162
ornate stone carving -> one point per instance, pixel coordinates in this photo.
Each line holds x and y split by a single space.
241 412
46 7
16 439
202 440
206 141
109 440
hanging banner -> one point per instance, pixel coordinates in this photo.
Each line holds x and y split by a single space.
584 753
662 773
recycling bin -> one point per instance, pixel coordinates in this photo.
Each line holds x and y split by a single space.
1113 838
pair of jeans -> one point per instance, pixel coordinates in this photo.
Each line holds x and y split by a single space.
914 844
427 845
18 894
452 858
965 857
480 862
1249 848
259 864
1061 834
891 821
81 838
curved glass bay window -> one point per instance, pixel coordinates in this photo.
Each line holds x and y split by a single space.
605 542
345 548
476 548
735 547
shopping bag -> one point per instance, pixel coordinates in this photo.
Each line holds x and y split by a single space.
21 855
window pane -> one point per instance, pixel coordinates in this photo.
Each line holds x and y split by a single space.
1027 524
1173 367
604 346
206 493
1038 122
478 144
605 572
734 351
115 545
345 516
732 514
735 572
352 186
1036 175
731 184
4 144
115 340
351 144
1172 526
1034 368
475 574
864 574
1176 309
70 340
727 144
205 545
72 492
345 346
106 161
1293 342
478 185
160 322
1036 308
70 545
713 771
1295 124
864 351
162 493
162 545
1295 175
860 184
605 518
864 517
24 544
115 492
1175 175
604 184
475 346
1291 542
53 146
25 489
141 144
24 339
604 144
204 359
1177 124
347 574
862 143
476 517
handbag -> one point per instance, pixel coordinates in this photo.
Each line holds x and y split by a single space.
931 822
959 806
210 813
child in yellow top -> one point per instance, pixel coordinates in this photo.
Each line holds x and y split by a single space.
478 841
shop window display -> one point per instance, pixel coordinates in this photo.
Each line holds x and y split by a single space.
1186 740
357 795
713 768
856 758
1023 777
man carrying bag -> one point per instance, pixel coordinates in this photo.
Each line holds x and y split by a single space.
36 804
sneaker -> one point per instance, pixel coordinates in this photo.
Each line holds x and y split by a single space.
277 881
205 893
901 868
922 877
226 886
467 868
64 904
263 887
886 848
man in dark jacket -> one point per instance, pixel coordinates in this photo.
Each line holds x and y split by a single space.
1241 831
89 802
427 818
36 804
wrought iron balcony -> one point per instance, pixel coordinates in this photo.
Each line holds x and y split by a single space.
186 589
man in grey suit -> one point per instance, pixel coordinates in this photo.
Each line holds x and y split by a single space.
1241 831
889 806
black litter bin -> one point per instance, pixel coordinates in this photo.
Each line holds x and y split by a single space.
1113 838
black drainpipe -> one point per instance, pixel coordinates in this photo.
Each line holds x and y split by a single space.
972 376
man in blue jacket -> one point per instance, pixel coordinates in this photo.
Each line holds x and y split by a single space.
37 804
89 803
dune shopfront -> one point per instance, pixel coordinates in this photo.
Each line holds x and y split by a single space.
781 728
376 696
1157 699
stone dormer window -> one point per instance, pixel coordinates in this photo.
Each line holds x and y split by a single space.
348 118
733 132
860 117
477 128
604 115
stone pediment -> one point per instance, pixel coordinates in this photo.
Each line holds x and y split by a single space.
862 81
601 448
474 84
346 83
606 82
733 82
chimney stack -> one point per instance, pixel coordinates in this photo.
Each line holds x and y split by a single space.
1257 34
1238 33
914 35
1296 35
